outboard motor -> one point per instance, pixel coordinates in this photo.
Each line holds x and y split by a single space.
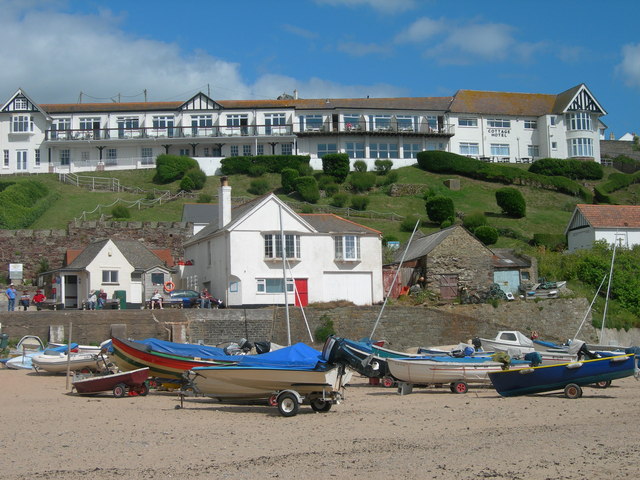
262 347
477 343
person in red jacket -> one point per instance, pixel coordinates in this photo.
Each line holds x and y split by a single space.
38 298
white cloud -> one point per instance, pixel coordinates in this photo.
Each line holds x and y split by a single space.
422 29
386 6
484 42
300 32
629 68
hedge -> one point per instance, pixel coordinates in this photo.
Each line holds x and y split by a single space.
23 203
272 163
615 181
170 168
570 168
437 161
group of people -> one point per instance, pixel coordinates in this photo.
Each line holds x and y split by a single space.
96 299
25 299
209 301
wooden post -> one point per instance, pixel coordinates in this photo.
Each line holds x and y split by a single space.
69 354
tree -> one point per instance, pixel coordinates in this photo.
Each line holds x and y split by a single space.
511 201
440 208
336 165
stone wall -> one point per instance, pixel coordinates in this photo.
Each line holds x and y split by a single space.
30 246
403 327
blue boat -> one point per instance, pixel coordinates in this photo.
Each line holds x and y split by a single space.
568 376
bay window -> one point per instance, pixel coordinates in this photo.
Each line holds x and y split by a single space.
347 247
581 147
579 121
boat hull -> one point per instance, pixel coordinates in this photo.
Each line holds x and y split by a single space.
58 363
236 382
128 355
107 382
424 371
546 378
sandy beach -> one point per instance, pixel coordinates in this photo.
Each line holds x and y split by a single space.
50 433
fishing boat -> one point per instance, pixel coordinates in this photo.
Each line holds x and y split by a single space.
287 378
439 370
56 361
24 361
121 384
569 376
166 360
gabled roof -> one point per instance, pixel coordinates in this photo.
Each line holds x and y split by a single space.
330 223
605 216
139 256
505 258
33 106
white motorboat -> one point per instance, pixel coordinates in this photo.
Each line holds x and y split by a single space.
57 362
517 345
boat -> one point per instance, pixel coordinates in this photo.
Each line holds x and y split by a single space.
55 361
287 377
166 360
458 372
569 376
130 383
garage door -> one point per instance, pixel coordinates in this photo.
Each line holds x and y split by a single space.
354 287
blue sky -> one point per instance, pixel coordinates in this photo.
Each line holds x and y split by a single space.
258 49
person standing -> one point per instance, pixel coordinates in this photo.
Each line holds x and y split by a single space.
205 299
11 297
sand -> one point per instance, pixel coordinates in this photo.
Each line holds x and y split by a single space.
49 433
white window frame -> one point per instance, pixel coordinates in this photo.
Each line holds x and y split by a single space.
410 150
469 148
499 123
260 149
246 150
582 147
21 103
21 160
380 123
355 149
110 277
500 150
347 248
580 121
311 123
327 148
65 156
383 150
467 122
406 123
533 151
273 246
234 150
285 149
530 124
269 286
5 159
36 159
21 124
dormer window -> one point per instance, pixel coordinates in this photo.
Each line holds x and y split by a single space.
347 248
21 103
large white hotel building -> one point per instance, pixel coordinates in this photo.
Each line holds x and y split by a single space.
491 126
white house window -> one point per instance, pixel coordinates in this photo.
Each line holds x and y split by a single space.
285 149
410 150
533 150
432 123
163 125
354 149
5 163
60 125
238 124
273 285
89 123
84 156
468 122
552 120
581 147
112 156
21 160
406 123
326 148
185 152
500 149
310 123
499 123
531 124
234 150
469 148
273 245
147 155
65 157
352 122
201 125
109 276
347 247
579 121
380 123
554 145
22 124
246 150
20 103
383 150
260 149
37 157
274 123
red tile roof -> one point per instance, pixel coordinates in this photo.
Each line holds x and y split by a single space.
611 216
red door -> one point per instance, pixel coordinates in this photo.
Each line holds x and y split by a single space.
302 292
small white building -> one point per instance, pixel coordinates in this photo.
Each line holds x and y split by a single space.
238 256
619 224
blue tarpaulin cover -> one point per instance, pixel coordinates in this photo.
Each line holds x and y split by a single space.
298 356
184 349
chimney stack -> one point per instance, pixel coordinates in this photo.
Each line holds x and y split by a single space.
224 202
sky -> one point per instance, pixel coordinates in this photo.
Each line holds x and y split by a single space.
64 51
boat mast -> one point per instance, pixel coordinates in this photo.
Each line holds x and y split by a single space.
284 275
606 302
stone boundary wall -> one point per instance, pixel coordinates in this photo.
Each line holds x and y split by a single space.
403 327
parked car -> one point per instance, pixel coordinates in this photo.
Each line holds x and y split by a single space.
189 298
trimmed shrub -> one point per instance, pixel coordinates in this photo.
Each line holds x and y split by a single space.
120 211
336 165
383 167
197 176
362 181
324 180
474 220
486 234
359 166
308 189
340 199
187 184
257 170
288 178
440 208
359 202
272 163
170 168
511 201
259 186
388 179
23 202
305 170
331 189
570 168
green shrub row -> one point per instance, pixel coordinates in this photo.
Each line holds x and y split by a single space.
437 161
570 168
252 165
170 168
23 203
615 181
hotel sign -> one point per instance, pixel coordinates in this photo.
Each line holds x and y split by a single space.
499 132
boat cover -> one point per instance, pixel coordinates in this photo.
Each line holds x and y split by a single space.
297 356
184 349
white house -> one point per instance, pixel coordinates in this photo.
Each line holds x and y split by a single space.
618 224
122 268
493 126
238 256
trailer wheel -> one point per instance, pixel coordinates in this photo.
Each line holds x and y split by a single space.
572 391
320 405
459 387
144 389
288 405
602 384
388 382
119 390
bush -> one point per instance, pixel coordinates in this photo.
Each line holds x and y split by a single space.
257 170
204 198
197 176
22 203
359 202
288 178
339 199
259 186
409 223
120 211
331 189
474 220
325 330
360 166
308 189
511 201
555 242
388 179
383 167
336 165
272 163
170 168
570 168
440 208
362 181
324 180
486 234
187 184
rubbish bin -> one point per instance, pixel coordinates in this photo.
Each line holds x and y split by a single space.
122 296
4 341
